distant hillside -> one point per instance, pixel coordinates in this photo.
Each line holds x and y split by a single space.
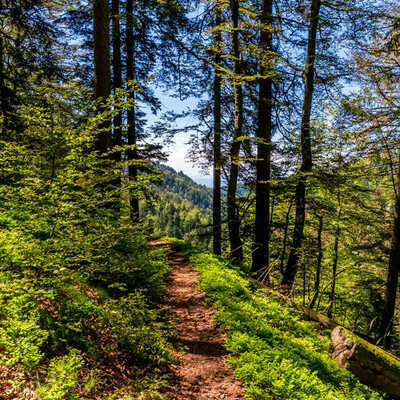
182 209
180 183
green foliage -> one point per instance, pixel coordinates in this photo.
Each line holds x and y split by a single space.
77 279
137 327
21 334
62 377
276 353
182 209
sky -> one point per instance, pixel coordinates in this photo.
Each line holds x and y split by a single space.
179 162
178 151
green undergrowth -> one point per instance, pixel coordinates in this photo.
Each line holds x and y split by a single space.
78 282
84 331
275 352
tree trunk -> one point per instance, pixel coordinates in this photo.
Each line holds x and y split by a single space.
131 115
2 84
233 217
217 223
319 262
306 165
117 72
285 235
264 133
331 301
102 79
372 365
393 271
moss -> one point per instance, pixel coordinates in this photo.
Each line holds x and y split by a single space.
381 356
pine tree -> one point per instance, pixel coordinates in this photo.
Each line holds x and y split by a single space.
102 74
264 135
236 244
217 220
305 168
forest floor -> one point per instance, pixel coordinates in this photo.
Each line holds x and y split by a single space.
202 371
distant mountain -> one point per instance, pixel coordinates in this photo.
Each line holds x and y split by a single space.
182 208
180 183
204 180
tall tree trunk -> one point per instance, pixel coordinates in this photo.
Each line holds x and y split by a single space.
131 115
331 300
233 212
102 76
393 272
306 165
2 83
319 262
262 223
217 223
285 234
117 72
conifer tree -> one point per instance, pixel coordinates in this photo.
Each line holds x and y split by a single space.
217 222
306 164
131 113
236 253
264 134
102 75
117 69
30 42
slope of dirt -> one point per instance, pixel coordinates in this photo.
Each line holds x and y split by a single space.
202 371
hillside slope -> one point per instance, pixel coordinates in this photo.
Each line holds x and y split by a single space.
181 209
276 353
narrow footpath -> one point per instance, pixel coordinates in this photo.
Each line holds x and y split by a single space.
202 371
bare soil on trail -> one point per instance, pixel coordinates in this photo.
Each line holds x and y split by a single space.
202 371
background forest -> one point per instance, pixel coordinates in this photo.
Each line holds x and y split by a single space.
295 106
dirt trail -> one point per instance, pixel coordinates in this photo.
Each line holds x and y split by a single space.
202 371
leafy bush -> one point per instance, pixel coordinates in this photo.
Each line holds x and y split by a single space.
77 279
137 327
62 376
21 335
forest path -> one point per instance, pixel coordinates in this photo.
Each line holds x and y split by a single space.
202 371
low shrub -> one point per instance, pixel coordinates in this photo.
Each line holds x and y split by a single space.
62 376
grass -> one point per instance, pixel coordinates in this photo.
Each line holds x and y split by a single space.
275 352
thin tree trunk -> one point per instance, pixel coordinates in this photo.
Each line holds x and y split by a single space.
393 272
319 262
271 216
117 72
233 217
2 80
304 284
285 235
306 165
102 76
131 115
264 133
331 300
217 223
2 88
